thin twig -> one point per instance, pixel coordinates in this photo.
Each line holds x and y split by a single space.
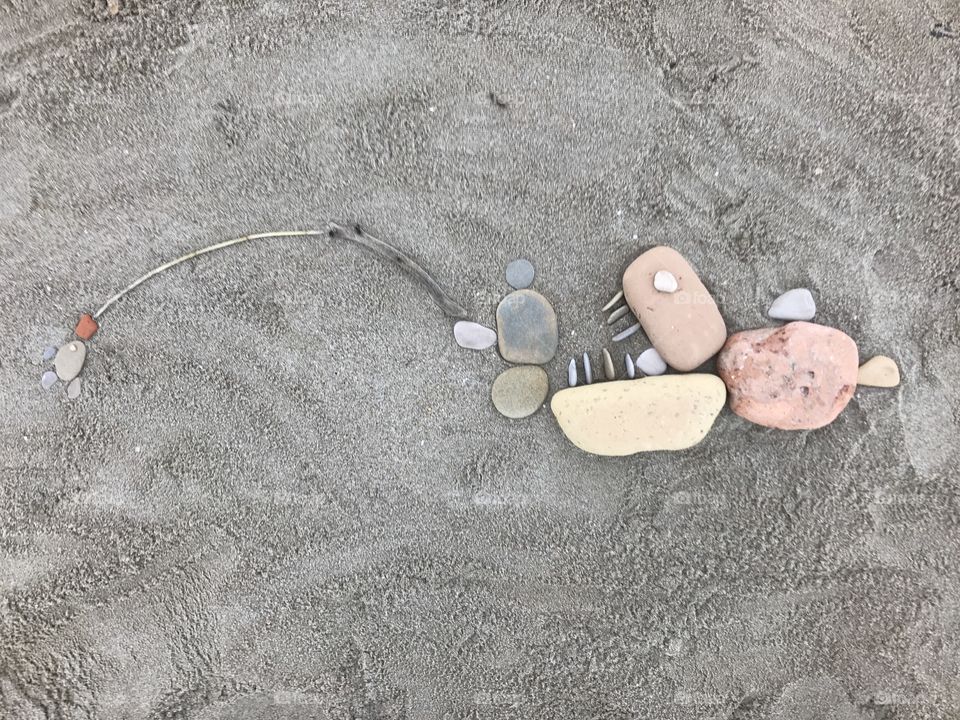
403 261
203 251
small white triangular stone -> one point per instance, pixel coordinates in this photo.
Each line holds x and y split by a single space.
794 304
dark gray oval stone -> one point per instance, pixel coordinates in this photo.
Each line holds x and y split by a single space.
526 328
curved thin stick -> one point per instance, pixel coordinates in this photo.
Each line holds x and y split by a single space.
203 251
354 235
402 260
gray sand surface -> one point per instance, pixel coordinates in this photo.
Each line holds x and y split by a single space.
283 491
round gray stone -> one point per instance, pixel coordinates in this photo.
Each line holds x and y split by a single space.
520 391
69 360
520 274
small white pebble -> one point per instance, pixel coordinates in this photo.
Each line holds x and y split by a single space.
73 389
665 282
650 363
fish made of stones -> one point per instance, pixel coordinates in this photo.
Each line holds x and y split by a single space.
798 376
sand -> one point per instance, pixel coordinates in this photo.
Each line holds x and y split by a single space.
283 491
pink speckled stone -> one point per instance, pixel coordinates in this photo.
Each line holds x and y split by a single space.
796 377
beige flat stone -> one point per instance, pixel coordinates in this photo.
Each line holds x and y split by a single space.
669 412
879 371
684 326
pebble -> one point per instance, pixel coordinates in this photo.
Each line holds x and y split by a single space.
49 352
672 412
685 327
587 370
69 360
796 377
520 274
520 391
473 336
650 363
797 304
608 372
879 371
665 282
526 328
616 298
48 379
73 389
629 366
572 373
617 314
626 333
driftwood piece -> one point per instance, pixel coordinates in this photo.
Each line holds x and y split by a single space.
400 259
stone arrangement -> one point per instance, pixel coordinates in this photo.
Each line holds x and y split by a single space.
797 376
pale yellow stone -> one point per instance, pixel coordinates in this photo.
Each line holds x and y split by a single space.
668 412
879 371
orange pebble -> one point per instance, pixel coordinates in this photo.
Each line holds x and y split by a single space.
86 327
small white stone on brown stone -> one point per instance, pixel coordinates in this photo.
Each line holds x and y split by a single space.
665 282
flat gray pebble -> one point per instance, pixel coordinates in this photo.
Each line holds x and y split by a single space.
629 366
73 389
617 314
49 352
796 304
626 333
520 273
587 370
48 379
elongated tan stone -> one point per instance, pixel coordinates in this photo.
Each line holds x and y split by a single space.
879 371
684 326
670 412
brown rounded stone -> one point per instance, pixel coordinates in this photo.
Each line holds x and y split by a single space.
684 326
796 377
